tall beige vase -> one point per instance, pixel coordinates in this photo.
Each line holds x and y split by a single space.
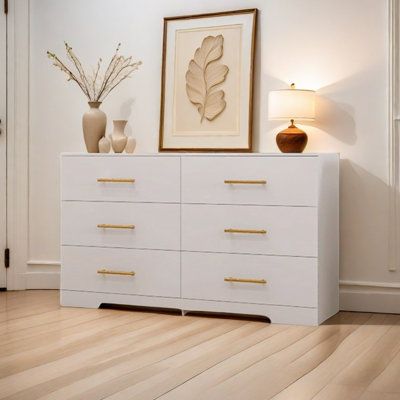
94 124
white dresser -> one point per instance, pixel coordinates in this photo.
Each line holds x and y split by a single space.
251 234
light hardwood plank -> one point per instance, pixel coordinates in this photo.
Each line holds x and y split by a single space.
389 378
349 349
274 374
53 328
336 392
21 358
52 353
190 362
379 396
245 359
370 364
39 319
142 355
16 307
235 364
139 334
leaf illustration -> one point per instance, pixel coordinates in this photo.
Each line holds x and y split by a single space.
204 73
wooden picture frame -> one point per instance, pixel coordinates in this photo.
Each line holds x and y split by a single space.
207 82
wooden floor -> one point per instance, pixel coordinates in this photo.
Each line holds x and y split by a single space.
48 352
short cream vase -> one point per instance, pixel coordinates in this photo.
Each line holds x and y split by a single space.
118 137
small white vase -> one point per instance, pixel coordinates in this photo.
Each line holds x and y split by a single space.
94 124
118 137
130 145
104 145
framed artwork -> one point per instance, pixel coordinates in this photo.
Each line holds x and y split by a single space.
207 82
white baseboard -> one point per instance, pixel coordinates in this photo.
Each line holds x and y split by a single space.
45 265
42 274
42 280
381 297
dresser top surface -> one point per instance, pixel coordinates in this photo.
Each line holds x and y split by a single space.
184 154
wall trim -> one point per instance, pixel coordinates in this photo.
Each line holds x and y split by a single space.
393 142
18 31
366 284
43 266
43 263
364 296
42 280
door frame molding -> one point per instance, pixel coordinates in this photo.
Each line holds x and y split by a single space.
18 141
393 139
3 144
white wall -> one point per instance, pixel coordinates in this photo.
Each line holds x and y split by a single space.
337 47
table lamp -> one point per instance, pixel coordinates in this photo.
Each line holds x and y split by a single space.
291 104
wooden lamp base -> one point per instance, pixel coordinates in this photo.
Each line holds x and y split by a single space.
291 139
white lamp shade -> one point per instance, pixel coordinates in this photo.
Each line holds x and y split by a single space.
291 104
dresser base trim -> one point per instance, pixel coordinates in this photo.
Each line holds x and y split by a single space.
72 298
276 314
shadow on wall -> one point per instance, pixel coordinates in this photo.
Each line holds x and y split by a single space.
338 117
363 224
126 112
335 118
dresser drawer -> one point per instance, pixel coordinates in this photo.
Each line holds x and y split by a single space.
250 229
141 272
130 225
290 281
144 178
250 180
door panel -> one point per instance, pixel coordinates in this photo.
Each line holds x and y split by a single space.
3 145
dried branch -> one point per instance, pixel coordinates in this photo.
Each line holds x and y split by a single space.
59 64
95 88
118 78
78 66
109 70
120 73
96 74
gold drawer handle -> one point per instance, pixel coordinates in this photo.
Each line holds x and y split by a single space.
111 226
245 182
116 180
109 272
243 280
251 231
